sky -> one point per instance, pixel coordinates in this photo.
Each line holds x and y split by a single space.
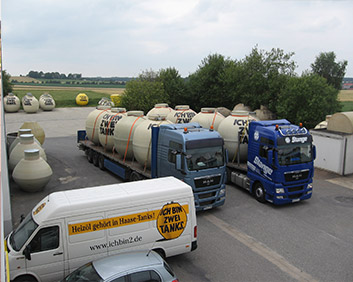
126 37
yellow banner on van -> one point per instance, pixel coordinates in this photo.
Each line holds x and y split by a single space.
113 222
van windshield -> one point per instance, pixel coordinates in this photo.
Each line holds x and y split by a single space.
23 232
203 158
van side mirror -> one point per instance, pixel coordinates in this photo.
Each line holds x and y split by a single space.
27 252
178 161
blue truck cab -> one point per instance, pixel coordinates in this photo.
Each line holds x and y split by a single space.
195 155
280 165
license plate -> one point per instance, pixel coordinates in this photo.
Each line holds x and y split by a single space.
207 208
295 200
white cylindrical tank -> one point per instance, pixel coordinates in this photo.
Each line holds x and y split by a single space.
17 140
161 109
341 122
46 102
11 103
208 117
230 128
92 123
182 114
32 172
241 107
36 130
264 113
143 138
124 132
30 103
26 143
107 123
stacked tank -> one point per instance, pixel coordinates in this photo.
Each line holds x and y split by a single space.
92 123
234 130
161 109
208 118
182 114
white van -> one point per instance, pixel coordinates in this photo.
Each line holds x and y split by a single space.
70 228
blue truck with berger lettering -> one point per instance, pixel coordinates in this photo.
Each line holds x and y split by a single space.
280 162
186 151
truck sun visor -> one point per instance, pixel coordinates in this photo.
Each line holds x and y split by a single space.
203 143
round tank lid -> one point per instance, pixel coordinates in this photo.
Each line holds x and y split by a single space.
29 94
22 131
182 107
31 154
240 113
161 105
118 110
208 110
11 94
102 107
26 138
135 113
156 117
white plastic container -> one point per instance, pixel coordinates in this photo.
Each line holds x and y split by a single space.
17 140
30 103
142 139
107 123
230 128
46 102
32 173
36 129
161 109
182 114
124 132
11 103
26 143
208 117
92 123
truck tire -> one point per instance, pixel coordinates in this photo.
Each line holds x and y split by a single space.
90 155
101 162
259 192
95 158
134 176
25 278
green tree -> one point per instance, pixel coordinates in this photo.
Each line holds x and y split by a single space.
326 66
7 86
307 99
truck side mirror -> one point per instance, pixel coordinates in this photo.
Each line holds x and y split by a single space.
270 157
27 252
178 162
314 152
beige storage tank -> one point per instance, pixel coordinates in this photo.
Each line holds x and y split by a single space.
264 113
11 103
143 138
182 114
341 122
124 133
26 143
92 124
323 124
46 102
30 103
17 140
161 109
107 123
223 111
32 173
230 128
208 117
36 129
241 107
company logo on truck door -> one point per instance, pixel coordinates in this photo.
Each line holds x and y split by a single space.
265 168
171 221
113 222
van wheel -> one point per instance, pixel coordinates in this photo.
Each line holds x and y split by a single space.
101 162
95 157
89 155
134 176
25 278
259 192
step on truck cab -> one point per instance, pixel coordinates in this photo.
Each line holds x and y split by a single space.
70 228
186 151
280 162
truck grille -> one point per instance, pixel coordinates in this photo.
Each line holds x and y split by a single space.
295 196
295 189
296 175
207 181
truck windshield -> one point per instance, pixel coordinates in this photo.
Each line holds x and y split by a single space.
294 154
203 158
23 232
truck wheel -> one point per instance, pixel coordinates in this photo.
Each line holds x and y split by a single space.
259 192
101 162
134 176
89 155
95 158
25 278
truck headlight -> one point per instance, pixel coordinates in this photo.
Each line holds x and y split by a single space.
222 192
310 186
279 190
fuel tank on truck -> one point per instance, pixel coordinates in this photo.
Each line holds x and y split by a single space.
208 117
182 114
107 123
143 138
124 133
92 125
161 109
230 128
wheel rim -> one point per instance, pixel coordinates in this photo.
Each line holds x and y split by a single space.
259 192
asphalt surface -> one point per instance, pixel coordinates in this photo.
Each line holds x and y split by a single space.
240 241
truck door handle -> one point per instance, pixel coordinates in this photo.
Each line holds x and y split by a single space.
57 254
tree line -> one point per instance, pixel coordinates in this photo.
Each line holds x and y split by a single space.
261 78
53 75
